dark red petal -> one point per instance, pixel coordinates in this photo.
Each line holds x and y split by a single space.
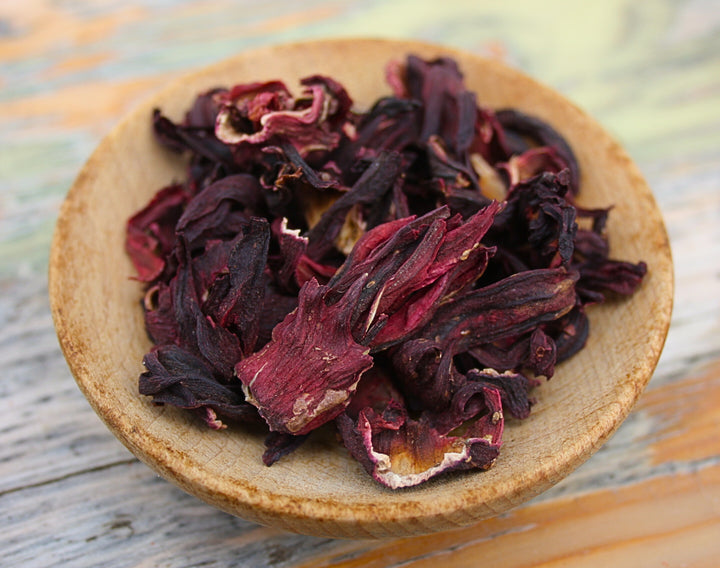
305 376
510 307
221 210
377 180
269 116
278 445
151 232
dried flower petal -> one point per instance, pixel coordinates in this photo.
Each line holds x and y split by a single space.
372 185
542 134
531 163
604 276
514 389
528 299
412 264
182 138
305 376
403 452
181 379
221 210
278 445
237 303
150 234
260 116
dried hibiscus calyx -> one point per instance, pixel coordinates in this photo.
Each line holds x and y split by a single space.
179 378
305 376
403 274
388 288
411 266
401 451
425 365
518 127
263 112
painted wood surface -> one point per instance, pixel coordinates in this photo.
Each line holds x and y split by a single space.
70 494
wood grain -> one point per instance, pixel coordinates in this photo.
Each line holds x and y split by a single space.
573 533
71 494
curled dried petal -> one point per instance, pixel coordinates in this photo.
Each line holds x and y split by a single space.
278 445
542 134
406 452
198 141
531 163
377 180
412 264
598 277
221 210
270 113
514 389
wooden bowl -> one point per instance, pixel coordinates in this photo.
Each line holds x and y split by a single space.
320 489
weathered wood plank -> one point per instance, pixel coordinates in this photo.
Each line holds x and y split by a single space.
46 426
124 515
630 526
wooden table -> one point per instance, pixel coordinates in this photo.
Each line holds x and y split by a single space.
71 495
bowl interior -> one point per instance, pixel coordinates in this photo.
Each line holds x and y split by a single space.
319 489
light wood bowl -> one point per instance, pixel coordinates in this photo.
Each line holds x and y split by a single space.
320 489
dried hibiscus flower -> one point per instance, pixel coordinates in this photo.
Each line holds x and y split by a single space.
403 273
401 451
